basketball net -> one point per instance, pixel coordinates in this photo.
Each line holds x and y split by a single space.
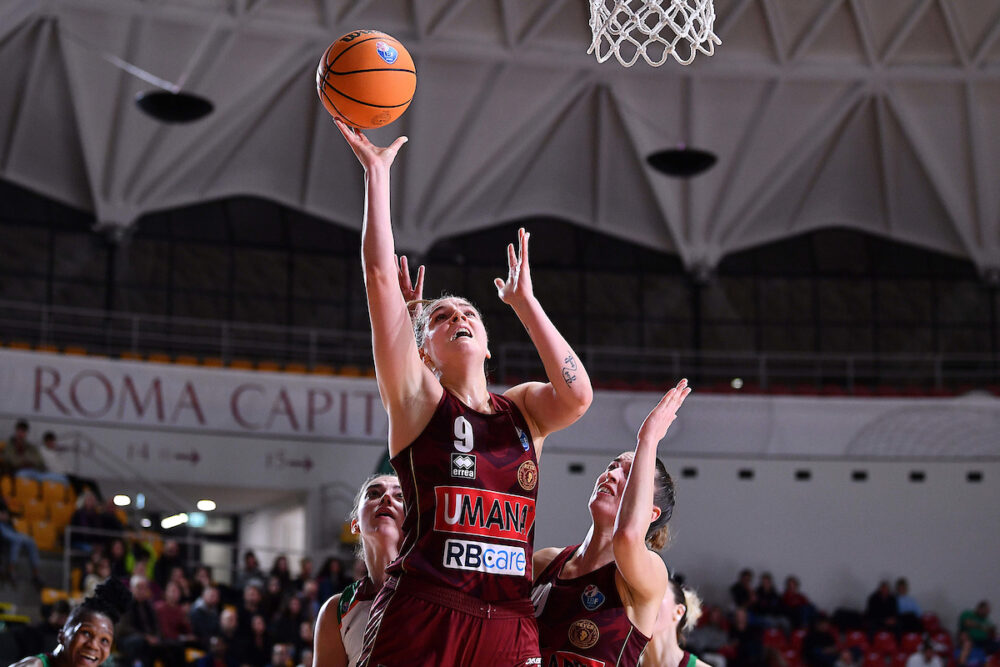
628 29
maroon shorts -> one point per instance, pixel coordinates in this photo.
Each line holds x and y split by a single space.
414 623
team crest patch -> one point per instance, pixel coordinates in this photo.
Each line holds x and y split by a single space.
527 475
386 52
583 633
463 465
592 597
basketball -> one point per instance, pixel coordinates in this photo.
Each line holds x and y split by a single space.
366 79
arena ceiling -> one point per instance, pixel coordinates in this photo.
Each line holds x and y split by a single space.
880 115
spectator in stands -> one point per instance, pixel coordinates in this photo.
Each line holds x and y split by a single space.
281 570
926 656
200 580
102 570
251 572
881 610
22 458
172 617
36 638
305 640
281 656
980 629
819 647
741 592
748 640
305 658
204 615
274 597
286 624
116 556
139 635
218 650
178 577
169 558
252 603
798 608
710 640
907 608
767 607
305 573
255 650
331 578
229 631
16 542
310 600
87 517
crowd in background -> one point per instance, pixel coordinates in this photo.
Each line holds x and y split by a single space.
762 625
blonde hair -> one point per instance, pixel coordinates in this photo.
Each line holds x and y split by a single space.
659 538
693 604
420 314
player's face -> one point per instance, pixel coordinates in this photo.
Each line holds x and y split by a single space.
454 329
381 507
88 641
610 486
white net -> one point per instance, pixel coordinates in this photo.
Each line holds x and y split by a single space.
652 29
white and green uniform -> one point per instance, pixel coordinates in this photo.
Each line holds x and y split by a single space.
352 616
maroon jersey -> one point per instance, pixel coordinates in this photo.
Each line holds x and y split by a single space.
469 483
582 621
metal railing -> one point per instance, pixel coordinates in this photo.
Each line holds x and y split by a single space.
112 333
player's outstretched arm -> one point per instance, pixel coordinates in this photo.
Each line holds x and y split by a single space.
402 377
562 400
642 569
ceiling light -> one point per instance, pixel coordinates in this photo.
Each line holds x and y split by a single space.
173 521
737 383
206 505
122 500
145 522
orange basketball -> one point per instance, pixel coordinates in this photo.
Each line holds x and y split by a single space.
366 78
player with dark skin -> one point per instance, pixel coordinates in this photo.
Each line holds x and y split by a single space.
88 635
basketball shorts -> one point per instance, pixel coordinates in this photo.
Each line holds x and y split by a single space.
414 623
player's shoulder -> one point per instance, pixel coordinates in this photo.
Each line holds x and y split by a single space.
28 662
541 559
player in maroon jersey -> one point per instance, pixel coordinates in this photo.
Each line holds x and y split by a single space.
597 602
467 459
679 614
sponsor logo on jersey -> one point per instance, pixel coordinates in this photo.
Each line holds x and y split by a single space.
583 633
533 661
592 597
567 659
463 465
386 52
523 437
527 475
484 557
483 513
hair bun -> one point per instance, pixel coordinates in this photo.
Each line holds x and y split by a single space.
111 598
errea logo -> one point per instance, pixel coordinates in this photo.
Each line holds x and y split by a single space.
463 465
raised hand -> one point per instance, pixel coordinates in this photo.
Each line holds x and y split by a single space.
370 155
411 292
655 426
518 283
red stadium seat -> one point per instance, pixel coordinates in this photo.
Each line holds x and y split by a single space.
931 622
873 659
910 643
899 660
797 637
856 638
793 658
884 643
775 638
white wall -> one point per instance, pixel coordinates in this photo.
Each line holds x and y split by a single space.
270 531
839 536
